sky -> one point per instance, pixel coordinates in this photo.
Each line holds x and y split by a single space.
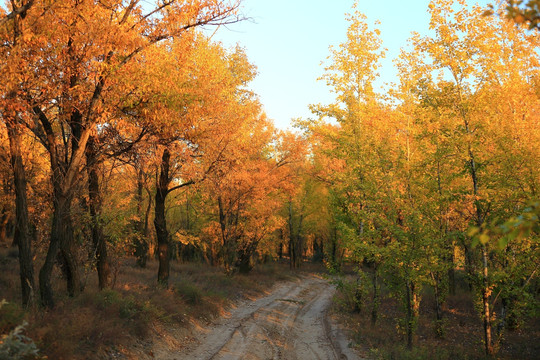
288 39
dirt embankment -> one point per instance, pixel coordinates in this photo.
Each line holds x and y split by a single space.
289 323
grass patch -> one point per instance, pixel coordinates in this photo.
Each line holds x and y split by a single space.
191 293
11 315
113 322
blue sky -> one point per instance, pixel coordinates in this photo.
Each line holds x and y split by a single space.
288 39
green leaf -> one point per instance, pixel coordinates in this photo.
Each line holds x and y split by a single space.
483 238
502 243
473 231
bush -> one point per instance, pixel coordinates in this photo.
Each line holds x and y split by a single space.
353 293
15 345
189 292
11 315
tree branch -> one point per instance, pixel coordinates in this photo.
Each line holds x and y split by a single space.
20 11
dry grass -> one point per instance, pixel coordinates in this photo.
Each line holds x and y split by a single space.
123 322
463 336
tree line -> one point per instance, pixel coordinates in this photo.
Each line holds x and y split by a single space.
440 172
116 113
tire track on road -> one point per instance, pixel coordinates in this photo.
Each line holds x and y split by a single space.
290 323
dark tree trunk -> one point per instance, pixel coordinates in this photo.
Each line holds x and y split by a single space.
376 297
160 222
22 229
358 298
292 245
227 247
5 218
146 229
140 240
452 276
295 240
412 311
62 232
439 330
140 189
95 205
243 262
409 317
469 266
60 240
64 176
68 251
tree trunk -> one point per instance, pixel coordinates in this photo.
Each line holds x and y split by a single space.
486 292
140 239
376 297
227 251
452 276
62 230
439 331
480 214
61 236
95 205
5 218
469 266
295 239
61 239
147 213
358 299
410 316
292 245
64 176
160 222
22 229
299 246
243 262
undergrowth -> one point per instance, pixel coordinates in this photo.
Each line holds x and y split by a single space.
108 324
461 340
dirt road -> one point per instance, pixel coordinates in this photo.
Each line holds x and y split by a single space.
289 323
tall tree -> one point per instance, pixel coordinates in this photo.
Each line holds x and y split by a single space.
64 97
12 32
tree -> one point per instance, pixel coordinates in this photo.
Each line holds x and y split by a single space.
12 36
194 112
457 78
64 96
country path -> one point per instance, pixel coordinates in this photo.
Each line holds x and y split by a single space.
290 323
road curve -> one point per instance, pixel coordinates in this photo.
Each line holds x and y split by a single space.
290 323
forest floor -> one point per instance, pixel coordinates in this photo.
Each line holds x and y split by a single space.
271 313
462 337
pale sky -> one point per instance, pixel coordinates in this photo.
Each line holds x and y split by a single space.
288 39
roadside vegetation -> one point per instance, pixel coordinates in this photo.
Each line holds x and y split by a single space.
458 337
134 316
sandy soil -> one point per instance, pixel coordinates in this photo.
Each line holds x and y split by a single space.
290 322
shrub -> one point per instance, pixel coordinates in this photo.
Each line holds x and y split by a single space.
15 345
189 292
11 315
353 293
